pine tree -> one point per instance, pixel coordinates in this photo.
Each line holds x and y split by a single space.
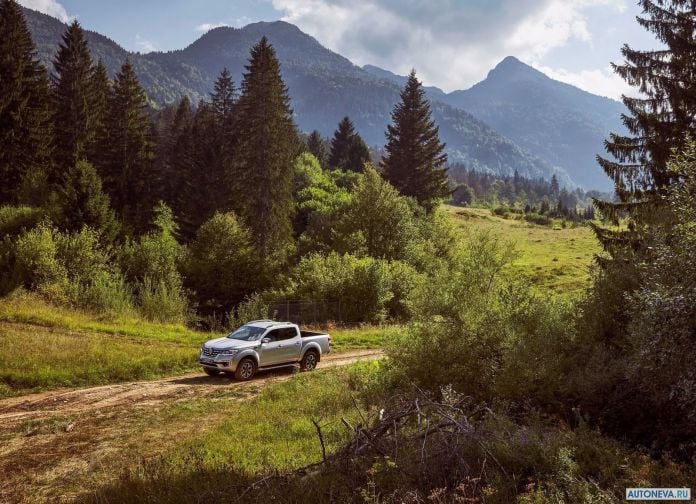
414 154
657 122
101 90
317 147
222 171
348 150
127 171
25 126
83 202
73 96
178 156
268 145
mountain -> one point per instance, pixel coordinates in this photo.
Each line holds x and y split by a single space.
324 87
557 122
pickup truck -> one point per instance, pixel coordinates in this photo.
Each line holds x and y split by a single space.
263 344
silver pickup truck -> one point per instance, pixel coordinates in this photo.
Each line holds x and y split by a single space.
263 344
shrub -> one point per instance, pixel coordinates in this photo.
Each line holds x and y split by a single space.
462 322
540 219
161 302
106 293
36 262
222 265
378 222
151 265
362 286
252 308
16 219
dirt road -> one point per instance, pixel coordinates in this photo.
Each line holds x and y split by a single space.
145 393
57 445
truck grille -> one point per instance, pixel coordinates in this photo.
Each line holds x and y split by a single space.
211 352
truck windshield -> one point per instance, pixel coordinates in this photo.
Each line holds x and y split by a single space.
247 333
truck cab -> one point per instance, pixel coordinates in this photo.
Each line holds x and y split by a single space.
263 344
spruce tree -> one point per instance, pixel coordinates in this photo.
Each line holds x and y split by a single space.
223 102
127 169
348 150
415 156
177 163
73 97
101 90
317 147
25 126
83 202
268 145
658 122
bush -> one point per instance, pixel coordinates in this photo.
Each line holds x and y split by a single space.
462 322
36 262
151 265
160 302
106 293
540 219
17 219
222 265
362 286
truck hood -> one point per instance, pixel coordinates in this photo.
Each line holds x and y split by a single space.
225 343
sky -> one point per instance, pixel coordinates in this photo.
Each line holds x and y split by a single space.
452 44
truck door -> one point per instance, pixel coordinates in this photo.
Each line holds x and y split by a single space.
284 346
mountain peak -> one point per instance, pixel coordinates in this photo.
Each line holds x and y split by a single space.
512 68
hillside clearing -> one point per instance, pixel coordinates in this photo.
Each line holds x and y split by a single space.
551 259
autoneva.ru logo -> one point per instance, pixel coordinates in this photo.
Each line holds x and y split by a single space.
658 494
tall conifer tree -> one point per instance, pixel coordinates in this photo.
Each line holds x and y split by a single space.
317 147
73 96
658 121
84 203
268 145
415 157
222 171
348 150
25 126
101 90
127 168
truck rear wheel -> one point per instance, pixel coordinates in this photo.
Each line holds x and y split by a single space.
246 369
309 360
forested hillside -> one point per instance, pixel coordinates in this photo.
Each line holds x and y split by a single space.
559 123
324 87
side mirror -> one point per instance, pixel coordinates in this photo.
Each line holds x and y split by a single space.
266 340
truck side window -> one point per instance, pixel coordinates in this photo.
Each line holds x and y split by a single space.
274 335
286 334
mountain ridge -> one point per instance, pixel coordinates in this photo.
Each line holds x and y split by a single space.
556 121
324 87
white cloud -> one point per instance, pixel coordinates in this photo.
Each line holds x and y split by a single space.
451 43
206 27
144 45
603 82
50 7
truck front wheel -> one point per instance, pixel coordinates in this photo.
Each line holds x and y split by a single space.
309 361
246 369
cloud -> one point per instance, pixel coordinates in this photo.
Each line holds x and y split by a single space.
50 7
144 45
451 43
206 27
602 82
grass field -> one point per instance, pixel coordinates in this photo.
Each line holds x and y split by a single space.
46 346
552 259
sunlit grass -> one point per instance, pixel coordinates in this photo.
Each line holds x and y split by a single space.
552 259
46 346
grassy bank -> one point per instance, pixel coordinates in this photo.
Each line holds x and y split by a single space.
47 346
552 259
